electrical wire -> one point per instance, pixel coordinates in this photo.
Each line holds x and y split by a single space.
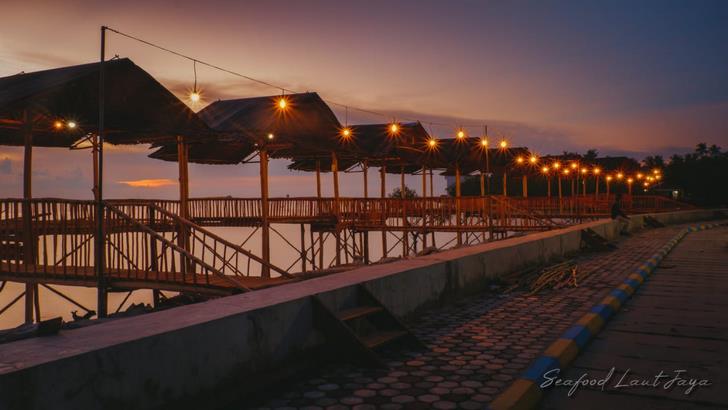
271 85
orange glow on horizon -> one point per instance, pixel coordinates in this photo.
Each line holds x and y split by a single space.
149 183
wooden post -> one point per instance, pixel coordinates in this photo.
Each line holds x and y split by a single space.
548 186
183 234
596 187
100 239
607 188
457 204
28 237
303 248
405 232
383 186
365 234
525 186
95 165
153 265
320 212
335 172
264 210
482 203
505 183
432 194
425 202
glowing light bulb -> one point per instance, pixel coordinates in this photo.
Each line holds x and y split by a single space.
557 165
597 171
484 142
432 143
658 176
519 160
609 177
646 184
620 175
533 159
573 165
71 124
630 180
346 132
545 170
503 144
566 172
639 175
271 136
282 103
58 125
461 134
195 96
584 170
394 128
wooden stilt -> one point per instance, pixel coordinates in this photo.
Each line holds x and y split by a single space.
303 248
383 186
365 234
320 212
183 235
265 226
405 233
100 238
525 186
458 219
335 173
29 245
424 217
505 183
432 194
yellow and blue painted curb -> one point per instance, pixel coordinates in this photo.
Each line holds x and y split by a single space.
526 391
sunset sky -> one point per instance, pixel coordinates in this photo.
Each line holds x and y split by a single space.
619 76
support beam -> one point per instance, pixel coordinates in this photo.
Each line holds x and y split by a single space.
183 236
365 234
335 172
505 183
320 212
424 198
458 219
405 233
264 211
100 239
383 187
28 239
525 186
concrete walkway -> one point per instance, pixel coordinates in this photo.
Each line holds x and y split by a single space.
475 347
677 320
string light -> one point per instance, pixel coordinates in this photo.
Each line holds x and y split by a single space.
282 103
461 134
597 171
566 171
545 170
71 124
609 177
484 143
195 95
620 175
503 144
346 132
573 165
519 160
58 125
630 180
639 175
394 128
533 159
432 143
584 170
557 165
271 136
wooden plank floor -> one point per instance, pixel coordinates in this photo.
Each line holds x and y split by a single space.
678 320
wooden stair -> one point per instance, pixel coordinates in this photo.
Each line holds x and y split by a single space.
357 332
591 240
651 222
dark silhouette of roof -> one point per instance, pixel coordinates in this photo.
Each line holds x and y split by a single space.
138 109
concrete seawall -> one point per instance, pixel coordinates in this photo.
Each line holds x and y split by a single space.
200 354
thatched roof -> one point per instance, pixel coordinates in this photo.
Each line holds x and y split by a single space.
305 129
138 109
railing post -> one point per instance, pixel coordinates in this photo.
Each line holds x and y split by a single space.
29 245
365 211
403 204
153 265
458 220
100 240
337 211
383 187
